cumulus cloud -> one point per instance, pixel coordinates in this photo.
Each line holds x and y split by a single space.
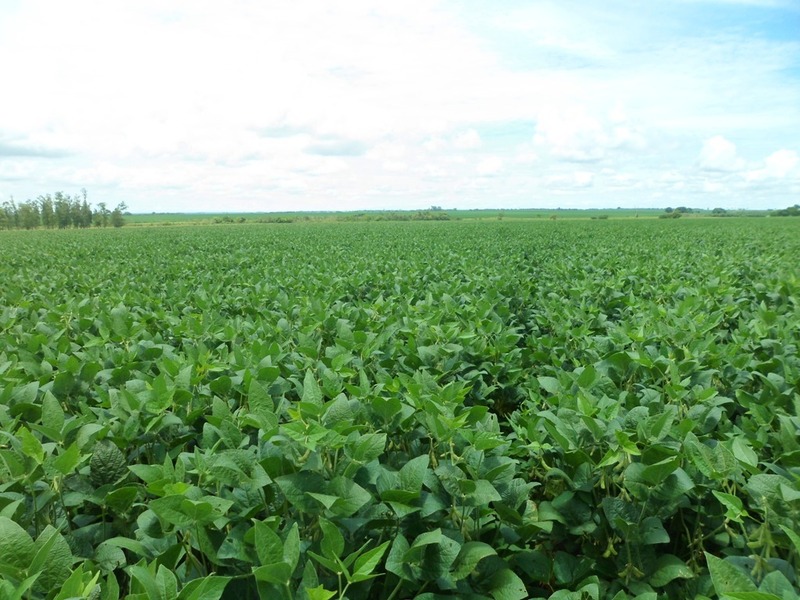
719 154
572 133
778 165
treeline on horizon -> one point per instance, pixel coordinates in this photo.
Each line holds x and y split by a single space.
60 211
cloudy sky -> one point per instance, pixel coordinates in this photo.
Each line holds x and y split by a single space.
261 105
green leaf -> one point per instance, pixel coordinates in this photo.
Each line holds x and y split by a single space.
31 446
52 413
67 460
108 463
291 547
147 581
734 508
412 474
550 384
166 582
794 537
744 453
261 404
506 585
653 532
656 473
109 557
312 394
277 573
366 563
170 510
16 546
728 578
368 447
332 541
269 546
54 559
468 558
121 499
777 583
396 561
587 377
319 593
668 568
429 537
352 497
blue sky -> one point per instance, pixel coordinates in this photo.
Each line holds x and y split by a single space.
194 105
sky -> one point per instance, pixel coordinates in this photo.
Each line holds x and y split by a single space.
261 105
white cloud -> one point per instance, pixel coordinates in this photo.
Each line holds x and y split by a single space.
719 154
778 165
491 165
469 140
573 133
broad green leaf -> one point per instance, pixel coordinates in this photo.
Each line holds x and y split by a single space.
67 460
148 581
550 384
587 378
291 547
53 558
506 585
793 536
16 546
468 558
31 446
319 593
312 394
269 546
777 584
332 540
277 573
166 582
208 588
52 413
728 578
413 472
668 568
366 563
658 472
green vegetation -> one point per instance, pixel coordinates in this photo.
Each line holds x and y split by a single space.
59 211
495 409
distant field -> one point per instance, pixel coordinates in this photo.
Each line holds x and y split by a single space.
482 214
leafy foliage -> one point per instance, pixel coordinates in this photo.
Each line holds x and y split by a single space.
504 410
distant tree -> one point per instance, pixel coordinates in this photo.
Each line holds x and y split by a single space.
102 215
117 220
46 211
792 211
669 209
11 214
61 203
76 216
29 215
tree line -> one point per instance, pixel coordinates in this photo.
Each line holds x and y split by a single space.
60 211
